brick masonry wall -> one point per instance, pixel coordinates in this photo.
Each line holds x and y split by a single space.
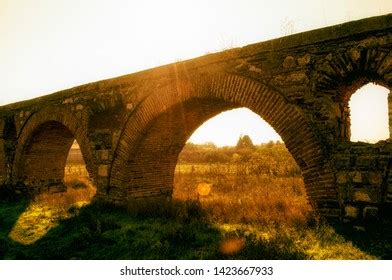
364 180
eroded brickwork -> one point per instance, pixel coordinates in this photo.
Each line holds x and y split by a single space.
132 128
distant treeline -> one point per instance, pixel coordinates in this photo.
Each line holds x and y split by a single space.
270 158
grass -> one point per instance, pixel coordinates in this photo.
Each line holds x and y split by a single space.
45 210
183 232
66 226
231 210
230 196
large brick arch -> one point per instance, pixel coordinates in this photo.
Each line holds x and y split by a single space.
43 146
158 129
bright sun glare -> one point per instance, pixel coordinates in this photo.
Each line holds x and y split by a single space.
227 127
369 114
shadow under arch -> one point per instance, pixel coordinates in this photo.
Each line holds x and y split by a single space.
156 132
43 146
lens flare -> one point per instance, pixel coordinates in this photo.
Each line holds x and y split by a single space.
204 189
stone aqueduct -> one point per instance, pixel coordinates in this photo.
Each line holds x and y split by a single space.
131 129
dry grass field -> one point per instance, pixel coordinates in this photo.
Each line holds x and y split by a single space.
227 204
241 198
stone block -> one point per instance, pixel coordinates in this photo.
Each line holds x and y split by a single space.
103 170
351 212
361 197
365 161
255 69
103 154
304 60
382 162
370 212
289 62
341 177
389 187
68 100
359 228
355 54
129 106
292 79
375 178
357 177
342 161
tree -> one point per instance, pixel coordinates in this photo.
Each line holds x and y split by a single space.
244 142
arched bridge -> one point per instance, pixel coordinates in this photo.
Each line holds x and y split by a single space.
131 129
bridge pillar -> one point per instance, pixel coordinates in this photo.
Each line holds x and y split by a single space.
364 181
390 113
3 161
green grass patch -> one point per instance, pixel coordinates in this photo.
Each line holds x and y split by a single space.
178 231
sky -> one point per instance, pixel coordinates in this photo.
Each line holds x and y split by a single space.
51 45
374 99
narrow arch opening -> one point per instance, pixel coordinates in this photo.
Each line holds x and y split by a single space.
79 185
236 166
369 117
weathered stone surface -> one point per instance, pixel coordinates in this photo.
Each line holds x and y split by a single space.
351 212
296 78
365 161
305 60
103 154
289 62
341 177
361 196
356 177
375 178
370 212
103 170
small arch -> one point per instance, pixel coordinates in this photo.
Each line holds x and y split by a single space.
43 145
369 117
44 156
76 177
